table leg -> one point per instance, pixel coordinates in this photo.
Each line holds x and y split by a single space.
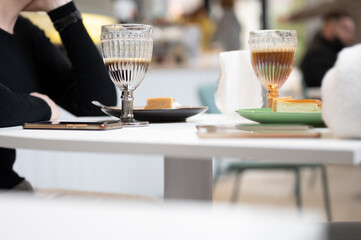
188 179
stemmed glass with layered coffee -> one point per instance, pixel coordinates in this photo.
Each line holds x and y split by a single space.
273 57
127 52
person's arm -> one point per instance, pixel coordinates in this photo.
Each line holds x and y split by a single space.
16 108
73 85
55 111
45 5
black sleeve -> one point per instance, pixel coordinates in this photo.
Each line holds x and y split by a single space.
20 108
73 85
315 65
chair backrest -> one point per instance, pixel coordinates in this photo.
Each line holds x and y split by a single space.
206 94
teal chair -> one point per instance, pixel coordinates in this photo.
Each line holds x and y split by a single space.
206 95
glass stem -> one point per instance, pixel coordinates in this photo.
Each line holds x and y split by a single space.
127 105
272 93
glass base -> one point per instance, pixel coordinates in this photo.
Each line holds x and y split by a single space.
131 122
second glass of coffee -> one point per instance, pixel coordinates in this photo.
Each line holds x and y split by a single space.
273 57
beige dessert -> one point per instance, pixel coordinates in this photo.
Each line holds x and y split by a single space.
160 103
296 105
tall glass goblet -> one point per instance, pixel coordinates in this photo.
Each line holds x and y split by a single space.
273 57
127 52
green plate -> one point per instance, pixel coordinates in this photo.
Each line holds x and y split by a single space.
265 115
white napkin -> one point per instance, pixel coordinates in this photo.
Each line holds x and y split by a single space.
341 94
238 86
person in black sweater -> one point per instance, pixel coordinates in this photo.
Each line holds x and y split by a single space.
337 32
34 74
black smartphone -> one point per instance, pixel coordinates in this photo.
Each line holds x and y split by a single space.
62 125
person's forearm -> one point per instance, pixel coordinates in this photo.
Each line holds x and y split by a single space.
45 5
55 4
91 79
17 109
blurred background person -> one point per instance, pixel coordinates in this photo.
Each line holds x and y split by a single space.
337 32
199 16
228 30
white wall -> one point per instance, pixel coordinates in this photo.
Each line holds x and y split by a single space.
182 84
130 174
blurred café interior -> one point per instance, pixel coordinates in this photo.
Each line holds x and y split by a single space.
189 36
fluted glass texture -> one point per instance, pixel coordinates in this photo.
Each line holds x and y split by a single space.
127 52
273 57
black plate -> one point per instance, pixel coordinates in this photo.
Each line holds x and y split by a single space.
159 115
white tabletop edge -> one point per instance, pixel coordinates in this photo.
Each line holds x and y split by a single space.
180 140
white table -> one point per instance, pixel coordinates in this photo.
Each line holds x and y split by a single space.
187 158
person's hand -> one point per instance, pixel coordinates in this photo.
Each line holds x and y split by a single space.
55 111
45 5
